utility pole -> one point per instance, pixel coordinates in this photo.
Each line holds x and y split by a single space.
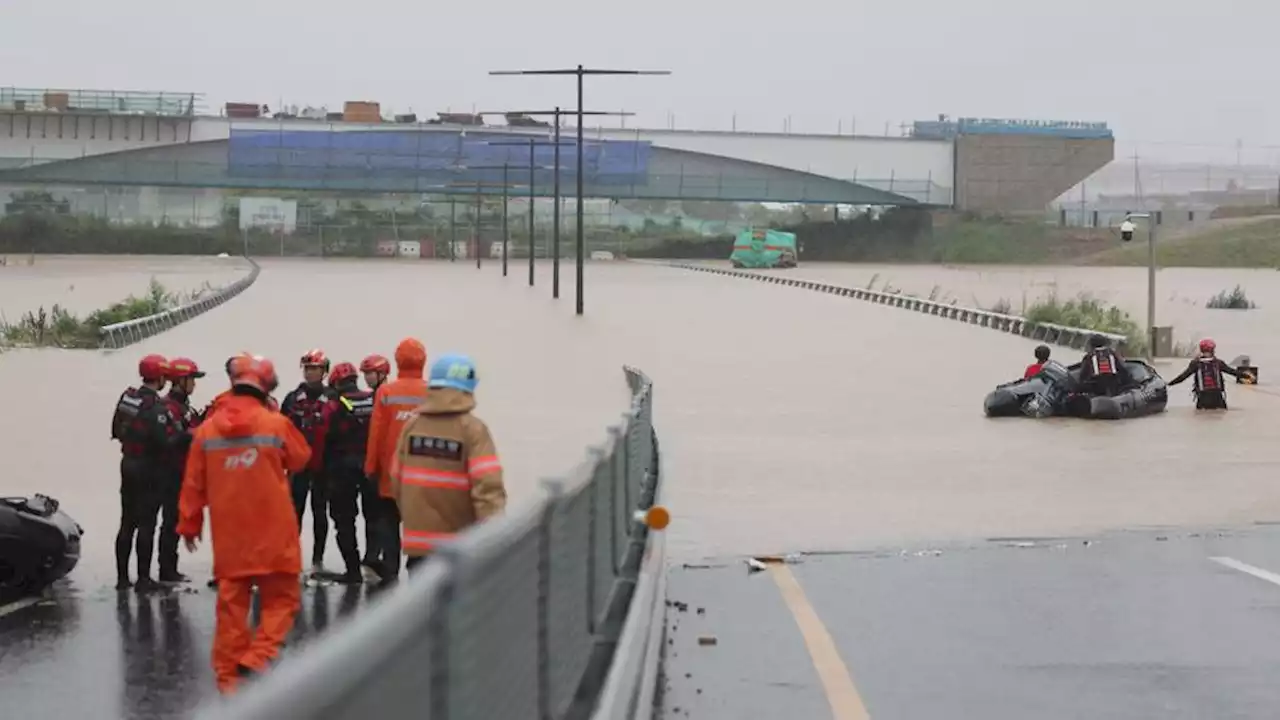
556 113
533 144
580 72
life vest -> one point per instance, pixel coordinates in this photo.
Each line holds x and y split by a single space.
129 423
306 412
1208 375
1104 362
349 424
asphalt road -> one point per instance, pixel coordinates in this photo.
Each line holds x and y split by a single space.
1144 624
106 654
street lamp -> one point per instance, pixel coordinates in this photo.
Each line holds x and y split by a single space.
555 216
580 72
1126 234
533 144
506 188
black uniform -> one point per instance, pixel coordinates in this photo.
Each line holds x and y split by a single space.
1210 390
1102 371
184 418
146 432
346 437
305 408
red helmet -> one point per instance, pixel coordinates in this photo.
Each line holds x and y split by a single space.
315 358
375 363
183 368
255 372
342 371
1207 345
153 367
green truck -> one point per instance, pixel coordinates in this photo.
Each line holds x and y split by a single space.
764 249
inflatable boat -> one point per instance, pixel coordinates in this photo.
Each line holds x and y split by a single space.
1057 390
39 544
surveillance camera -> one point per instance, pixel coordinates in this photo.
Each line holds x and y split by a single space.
1126 231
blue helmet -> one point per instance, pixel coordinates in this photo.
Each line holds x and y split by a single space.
453 371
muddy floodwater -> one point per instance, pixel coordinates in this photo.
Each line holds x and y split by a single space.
789 420
84 283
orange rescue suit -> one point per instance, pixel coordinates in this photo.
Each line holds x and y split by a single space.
238 467
394 404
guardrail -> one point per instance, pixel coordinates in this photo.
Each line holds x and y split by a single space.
114 337
520 617
1050 333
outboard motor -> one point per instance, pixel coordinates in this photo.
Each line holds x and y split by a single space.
39 544
1057 384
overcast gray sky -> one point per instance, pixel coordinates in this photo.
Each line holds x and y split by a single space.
1166 75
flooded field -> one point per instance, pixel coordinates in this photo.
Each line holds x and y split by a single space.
789 420
84 283
1181 294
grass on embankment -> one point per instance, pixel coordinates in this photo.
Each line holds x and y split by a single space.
1087 312
57 327
1255 245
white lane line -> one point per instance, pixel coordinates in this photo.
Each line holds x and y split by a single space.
1257 572
17 605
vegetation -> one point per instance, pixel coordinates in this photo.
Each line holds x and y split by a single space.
1233 299
1244 244
1086 311
57 327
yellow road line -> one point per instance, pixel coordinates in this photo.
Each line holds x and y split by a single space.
837 682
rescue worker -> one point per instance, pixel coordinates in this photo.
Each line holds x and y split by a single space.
446 476
183 373
271 401
1042 357
146 433
1102 370
305 408
376 370
346 423
393 405
238 468
1207 369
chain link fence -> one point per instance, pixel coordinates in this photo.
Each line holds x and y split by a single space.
519 618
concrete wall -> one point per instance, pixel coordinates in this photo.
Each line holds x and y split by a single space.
1022 173
27 138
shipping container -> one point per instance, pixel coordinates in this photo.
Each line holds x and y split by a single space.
410 248
387 248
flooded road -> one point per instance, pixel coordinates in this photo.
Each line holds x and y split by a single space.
790 421
84 283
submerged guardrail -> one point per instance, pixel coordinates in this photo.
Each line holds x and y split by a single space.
114 337
1050 333
528 615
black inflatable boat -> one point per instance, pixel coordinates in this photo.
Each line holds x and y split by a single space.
1057 391
38 544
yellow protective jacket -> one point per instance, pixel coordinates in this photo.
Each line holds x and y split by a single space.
446 475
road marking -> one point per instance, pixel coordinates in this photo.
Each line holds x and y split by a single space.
1257 572
837 682
17 605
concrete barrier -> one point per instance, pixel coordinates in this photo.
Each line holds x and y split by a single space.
114 337
1049 333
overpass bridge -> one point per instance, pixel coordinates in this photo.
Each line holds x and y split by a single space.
993 165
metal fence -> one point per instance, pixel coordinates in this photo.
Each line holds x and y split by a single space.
519 618
1051 333
129 332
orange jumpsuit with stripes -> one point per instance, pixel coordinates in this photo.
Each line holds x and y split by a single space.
238 467
393 405
446 475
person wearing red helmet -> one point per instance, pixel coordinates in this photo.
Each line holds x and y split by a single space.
376 369
147 434
182 374
346 422
1210 391
304 406
238 468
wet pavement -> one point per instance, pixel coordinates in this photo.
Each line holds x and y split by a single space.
791 421
1124 625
